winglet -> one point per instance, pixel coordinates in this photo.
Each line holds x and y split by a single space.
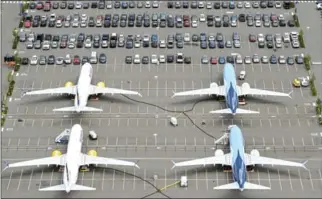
174 94
304 163
6 165
289 94
139 94
174 164
137 166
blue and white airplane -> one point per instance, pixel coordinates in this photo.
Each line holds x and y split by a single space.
238 160
231 92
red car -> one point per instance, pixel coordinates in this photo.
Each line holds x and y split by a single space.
213 60
186 23
27 24
47 7
76 60
39 6
252 38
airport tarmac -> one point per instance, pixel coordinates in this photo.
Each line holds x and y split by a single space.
286 128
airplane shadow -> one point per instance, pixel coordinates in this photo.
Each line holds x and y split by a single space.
258 99
193 100
116 99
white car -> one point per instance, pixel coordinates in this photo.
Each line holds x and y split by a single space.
154 59
137 59
162 59
34 60
201 4
155 4
186 37
179 57
83 24
46 45
248 60
162 44
264 59
278 4
75 24
66 24
109 5
202 18
78 5
286 37
194 24
209 5
236 43
137 44
84 17
104 44
211 37
281 60
242 75
59 60
239 59
247 4
71 45
29 45
260 37
281 17
258 23
59 24
52 17
147 4
88 43
233 23
67 59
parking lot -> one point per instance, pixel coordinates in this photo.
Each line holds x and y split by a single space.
127 129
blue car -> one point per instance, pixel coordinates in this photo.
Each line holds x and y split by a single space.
273 59
222 60
212 44
221 44
203 44
203 37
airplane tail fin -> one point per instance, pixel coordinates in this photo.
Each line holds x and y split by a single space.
247 185
238 111
73 108
62 187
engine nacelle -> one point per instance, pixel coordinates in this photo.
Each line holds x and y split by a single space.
219 152
254 152
101 84
56 153
245 87
92 153
69 84
213 85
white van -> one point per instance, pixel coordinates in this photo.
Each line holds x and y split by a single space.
93 59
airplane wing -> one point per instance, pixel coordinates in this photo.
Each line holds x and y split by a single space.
56 160
246 90
100 90
62 90
219 90
223 160
253 160
87 160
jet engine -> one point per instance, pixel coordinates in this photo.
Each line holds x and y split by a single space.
56 153
101 84
69 84
92 153
245 88
219 152
213 85
254 152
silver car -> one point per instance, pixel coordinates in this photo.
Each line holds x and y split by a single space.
29 45
264 60
59 60
67 24
256 59
42 60
46 45
204 59
236 43
239 59
54 44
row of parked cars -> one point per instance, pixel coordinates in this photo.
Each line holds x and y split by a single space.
155 20
276 41
94 58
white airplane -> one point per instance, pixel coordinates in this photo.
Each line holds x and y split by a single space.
82 91
72 160
231 92
238 160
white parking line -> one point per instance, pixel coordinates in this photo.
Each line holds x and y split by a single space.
113 179
103 178
40 180
279 176
32 172
311 180
9 180
300 179
19 180
289 175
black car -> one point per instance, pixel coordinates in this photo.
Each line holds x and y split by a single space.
269 44
170 4
282 23
270 4
51 24
51 60
35 23
101 5
71 6
128 59
263 4
170 58
55 5
96 44
187 60
43 23
94 5
145 60
102 58
242 18
217 5
85 59
25 61
185 4
79 44
230 59
194 5
129 43
117 4
85 5
291 23
113 44
32 6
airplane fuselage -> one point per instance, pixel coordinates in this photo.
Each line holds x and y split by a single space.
230 84
237 151
73 157
83 86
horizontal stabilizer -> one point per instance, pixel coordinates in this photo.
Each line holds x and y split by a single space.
238 111
247 185
73 108
62 187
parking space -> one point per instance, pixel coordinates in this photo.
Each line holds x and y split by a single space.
129 130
